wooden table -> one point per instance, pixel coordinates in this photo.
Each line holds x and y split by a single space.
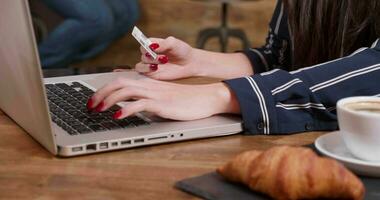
28 171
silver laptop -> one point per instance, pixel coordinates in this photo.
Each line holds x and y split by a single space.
53 110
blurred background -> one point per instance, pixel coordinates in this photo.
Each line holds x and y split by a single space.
59 24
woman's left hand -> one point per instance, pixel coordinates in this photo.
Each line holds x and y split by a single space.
167 100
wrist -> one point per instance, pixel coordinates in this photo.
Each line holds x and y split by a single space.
198 64
219 65
224 99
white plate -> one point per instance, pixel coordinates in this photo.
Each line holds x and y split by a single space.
332 145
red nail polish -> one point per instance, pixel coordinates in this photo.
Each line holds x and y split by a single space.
153 67
90 104
154 46
99 108
148 55
117 114
163 59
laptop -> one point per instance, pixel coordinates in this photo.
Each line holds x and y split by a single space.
53 110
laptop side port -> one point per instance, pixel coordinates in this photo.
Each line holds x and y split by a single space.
103 145
125 142
114 144
91 147
158 138
139 140
76 149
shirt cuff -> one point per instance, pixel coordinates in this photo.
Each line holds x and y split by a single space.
256 61
256 104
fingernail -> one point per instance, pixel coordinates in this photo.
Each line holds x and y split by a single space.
99 108
148 55
153 67
90 104
154 46
117 114
163 59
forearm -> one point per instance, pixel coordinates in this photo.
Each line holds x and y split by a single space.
221 65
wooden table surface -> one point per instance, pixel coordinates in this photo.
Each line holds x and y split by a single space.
28 171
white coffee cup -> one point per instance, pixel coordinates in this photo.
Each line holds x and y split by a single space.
359 123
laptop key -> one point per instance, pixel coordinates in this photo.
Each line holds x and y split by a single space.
76 84
62 85
97 127
56 100
78 96
66 107
49 86
68 120
125 124
110 125
87 121
79 127
85 131
78 105
65 116
72 131
65 126
75 123
114 108
88 93
59 122
71 111
54 118
140 123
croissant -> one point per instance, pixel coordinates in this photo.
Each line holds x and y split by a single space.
286 172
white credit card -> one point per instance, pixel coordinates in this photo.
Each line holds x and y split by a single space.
144 41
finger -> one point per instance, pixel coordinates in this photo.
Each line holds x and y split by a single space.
148 59
145 68
142 50
153 40
136 107
161 59
124 94
164 45
167 71
106 90
161 46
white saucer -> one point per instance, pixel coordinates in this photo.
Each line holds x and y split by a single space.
332 145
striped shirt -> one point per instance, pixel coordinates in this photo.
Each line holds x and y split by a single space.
278 101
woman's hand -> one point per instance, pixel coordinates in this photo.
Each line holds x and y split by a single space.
175 60
167 100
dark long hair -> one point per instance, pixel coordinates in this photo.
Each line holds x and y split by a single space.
323 30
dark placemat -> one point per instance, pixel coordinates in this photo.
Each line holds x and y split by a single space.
213 186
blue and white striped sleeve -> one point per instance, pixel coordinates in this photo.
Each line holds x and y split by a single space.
282 102
276 53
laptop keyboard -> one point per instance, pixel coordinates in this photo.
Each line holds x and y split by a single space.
67 104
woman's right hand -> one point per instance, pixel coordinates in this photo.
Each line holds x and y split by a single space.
175 60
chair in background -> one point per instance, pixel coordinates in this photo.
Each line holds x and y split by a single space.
223 32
